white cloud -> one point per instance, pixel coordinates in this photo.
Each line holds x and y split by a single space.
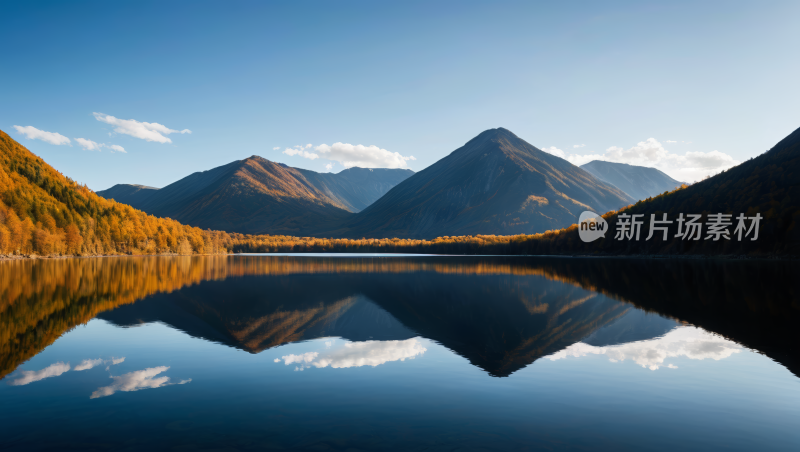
690 342
117 360
304 358
352 155
329 166
276 148
671 141
689 167
87 364
579 145
29 376
89 145
135 381
32 133
362 156
301 153
148 131
358 354
555 151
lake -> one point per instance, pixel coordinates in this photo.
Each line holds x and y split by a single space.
363 353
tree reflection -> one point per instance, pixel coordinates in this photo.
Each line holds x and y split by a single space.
500 313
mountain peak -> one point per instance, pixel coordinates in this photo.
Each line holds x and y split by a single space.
499 132
495 184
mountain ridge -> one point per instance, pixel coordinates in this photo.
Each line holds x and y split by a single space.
256 195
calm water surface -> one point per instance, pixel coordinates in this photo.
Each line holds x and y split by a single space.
398 353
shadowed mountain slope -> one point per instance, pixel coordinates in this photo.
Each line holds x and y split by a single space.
640 182
258 196
494 184
357 188
130 194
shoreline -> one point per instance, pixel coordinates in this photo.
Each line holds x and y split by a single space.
728 257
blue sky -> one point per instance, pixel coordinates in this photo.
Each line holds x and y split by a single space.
711 83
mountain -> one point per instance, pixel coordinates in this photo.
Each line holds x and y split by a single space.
494 184
130 194
257 196
640 182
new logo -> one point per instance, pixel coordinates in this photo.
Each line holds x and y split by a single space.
591 226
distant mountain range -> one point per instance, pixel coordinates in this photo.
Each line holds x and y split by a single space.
495 184
640 182
257 196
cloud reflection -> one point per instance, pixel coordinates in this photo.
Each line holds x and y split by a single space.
29 376
357 354
54 370
135 381
691 342
87 364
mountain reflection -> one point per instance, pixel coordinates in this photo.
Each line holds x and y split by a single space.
501 314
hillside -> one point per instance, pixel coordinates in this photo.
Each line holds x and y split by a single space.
640 182
257 196
494 184
43 212
768 186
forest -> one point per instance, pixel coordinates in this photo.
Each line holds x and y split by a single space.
43 212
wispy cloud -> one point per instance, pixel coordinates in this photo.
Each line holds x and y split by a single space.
135 381
298 150
90 145
54 370
32 133
115 147
276 148
579 145
87 364
671 141
148 131
29 376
